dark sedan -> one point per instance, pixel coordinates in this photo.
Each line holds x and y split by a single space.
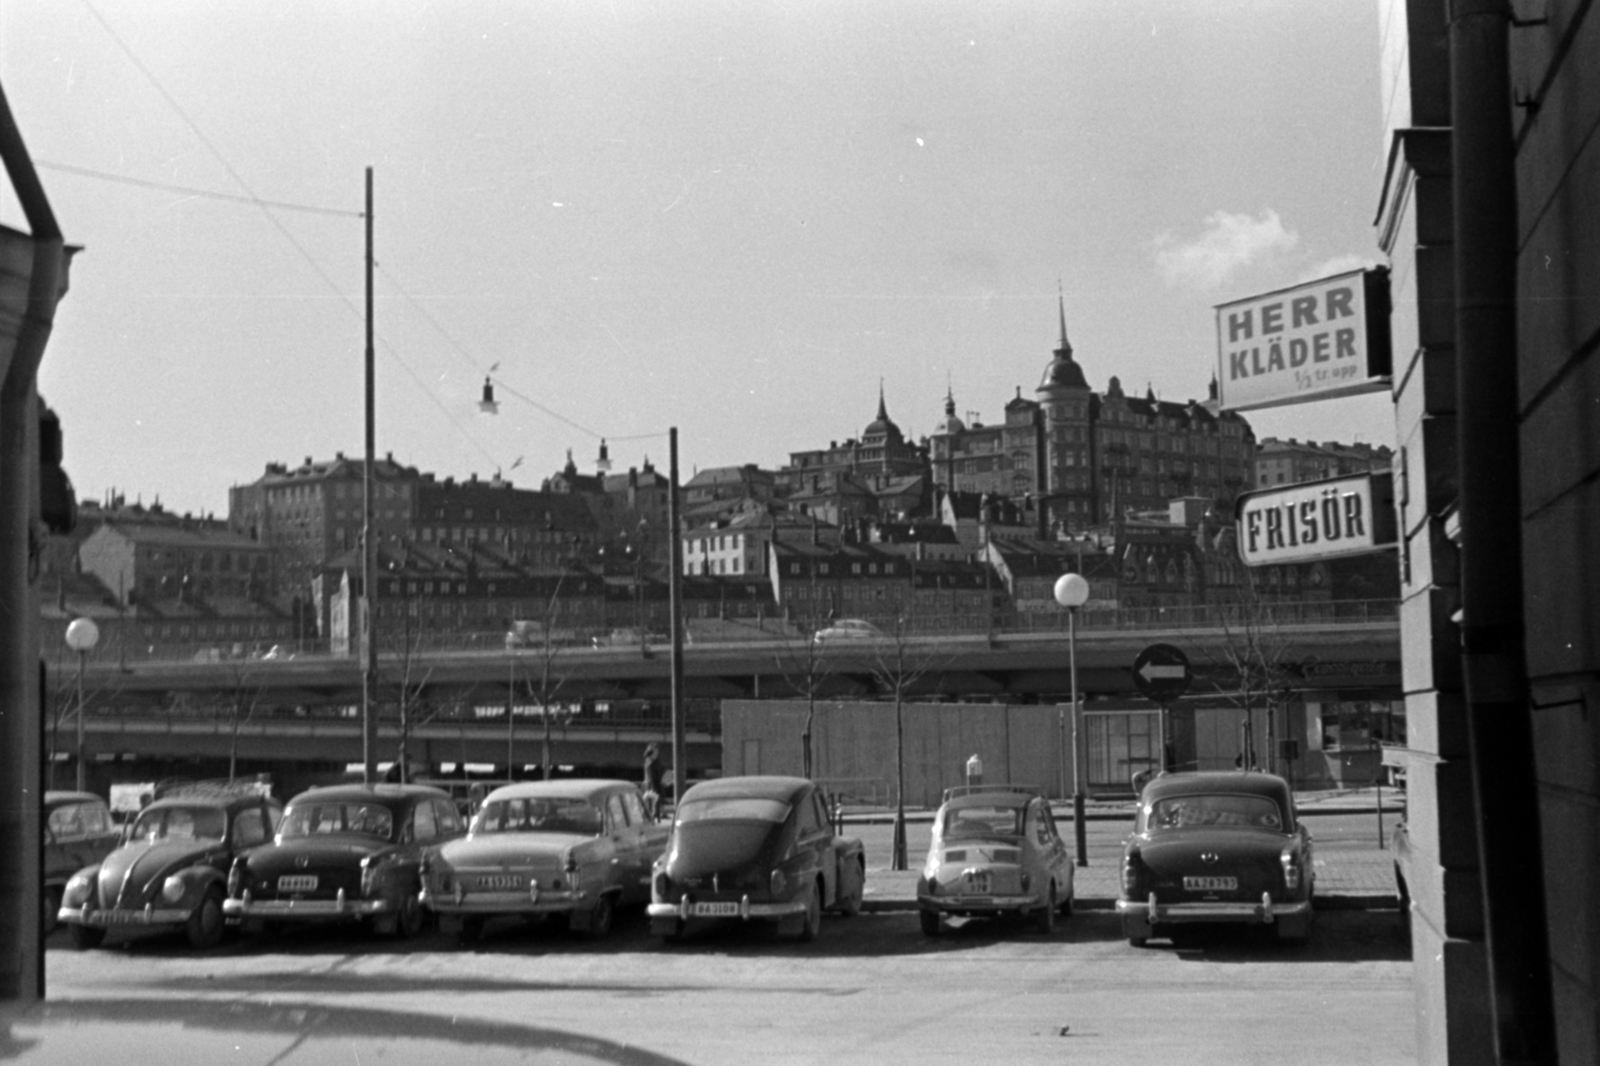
1216 847
755 848
345 852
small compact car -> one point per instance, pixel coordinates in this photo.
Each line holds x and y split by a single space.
570 849
755 848
345 853
172 869
1217 846
995 851
78 832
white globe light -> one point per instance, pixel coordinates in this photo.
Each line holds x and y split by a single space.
82 634
1072 590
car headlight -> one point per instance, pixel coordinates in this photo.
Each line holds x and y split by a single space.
172 889
78 890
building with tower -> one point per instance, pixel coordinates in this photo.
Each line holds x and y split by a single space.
1079 458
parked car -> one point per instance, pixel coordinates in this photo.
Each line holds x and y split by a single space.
1219 846
754 848
345 853
569 849
171 871
78 832
848 629
995 851
629 637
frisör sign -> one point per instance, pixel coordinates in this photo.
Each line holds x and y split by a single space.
1314 341
1316 520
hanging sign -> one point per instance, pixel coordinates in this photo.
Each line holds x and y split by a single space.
1316 520
1314 341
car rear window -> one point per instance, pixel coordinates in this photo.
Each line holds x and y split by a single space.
965 823
318 819
734 808
538 815
180 823
1214 809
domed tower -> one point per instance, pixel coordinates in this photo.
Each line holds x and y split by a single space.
944 442
1066 400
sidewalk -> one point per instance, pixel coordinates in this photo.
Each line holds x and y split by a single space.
1352 874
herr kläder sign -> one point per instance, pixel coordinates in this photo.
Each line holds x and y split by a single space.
1316 520
1314 341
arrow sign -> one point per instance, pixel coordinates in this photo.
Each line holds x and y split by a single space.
1161 672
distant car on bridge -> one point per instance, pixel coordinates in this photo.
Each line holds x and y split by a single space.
848 629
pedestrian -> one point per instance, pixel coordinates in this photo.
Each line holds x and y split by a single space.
653 777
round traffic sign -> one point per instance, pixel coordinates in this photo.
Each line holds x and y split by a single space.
1161 672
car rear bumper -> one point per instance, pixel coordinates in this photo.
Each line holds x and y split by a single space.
101 918
978 904
306 909
516 902
743 908
1137 914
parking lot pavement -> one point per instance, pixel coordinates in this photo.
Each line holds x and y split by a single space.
1353 870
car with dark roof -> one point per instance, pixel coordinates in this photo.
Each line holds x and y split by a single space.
171 870
994 851
1217 847
345 853
756 848
78 832
571 849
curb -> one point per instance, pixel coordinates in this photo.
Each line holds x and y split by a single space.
1342 902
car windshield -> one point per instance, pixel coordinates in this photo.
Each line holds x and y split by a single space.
734 809
538 814
321 819
180 823
967 823
1214 809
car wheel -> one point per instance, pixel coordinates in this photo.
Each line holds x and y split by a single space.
850 906
1045 917
205 925
1067 905
471 930
932 923
600 918
811 920
52 909
409 921
85 937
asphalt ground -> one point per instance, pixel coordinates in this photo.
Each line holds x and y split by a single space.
1355 868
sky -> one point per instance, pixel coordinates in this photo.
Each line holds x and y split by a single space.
739 220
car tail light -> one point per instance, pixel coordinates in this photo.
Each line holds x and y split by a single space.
1132 874
778 884
1027 881
1290 860
236 878
663 887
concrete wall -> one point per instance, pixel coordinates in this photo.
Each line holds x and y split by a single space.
854 745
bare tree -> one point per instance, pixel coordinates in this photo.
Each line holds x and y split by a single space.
411 686
244 696
897 667
1253 654
806 668
543 684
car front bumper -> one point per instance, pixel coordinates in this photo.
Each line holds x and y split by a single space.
743 908
114 917
1138 916
306 909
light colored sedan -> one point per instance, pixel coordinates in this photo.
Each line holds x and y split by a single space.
572 849
995 851
849 629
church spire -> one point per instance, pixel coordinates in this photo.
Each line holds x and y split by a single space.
883 411
1061 305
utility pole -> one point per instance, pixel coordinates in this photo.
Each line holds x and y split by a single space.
680 769
369 552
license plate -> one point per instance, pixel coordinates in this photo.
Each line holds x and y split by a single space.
714 910
124 917
500 881
978 881
297 883
1211 884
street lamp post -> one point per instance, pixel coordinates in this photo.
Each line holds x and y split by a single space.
1072 592
82 636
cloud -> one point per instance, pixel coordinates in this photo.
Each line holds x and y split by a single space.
1228 244
1339 264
